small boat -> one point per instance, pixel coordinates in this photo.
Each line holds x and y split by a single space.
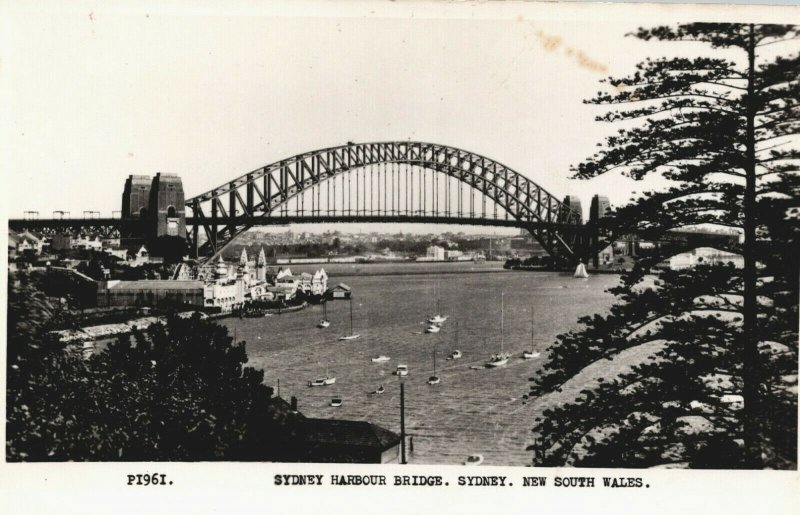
381 359
498 360
433 328
434 379
402 370
336 402
323 381
350 336
531 354
474 459
437 320
324 322
380 390
580 272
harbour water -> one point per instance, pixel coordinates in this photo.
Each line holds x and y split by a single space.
470 411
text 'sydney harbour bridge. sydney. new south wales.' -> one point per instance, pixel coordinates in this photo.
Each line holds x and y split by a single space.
402 182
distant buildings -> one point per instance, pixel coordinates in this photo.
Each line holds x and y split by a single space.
435 253
229 287
704 255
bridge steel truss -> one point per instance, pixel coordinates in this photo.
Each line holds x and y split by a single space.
261 196
103 227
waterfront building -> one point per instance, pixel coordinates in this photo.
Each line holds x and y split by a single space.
226 290
340 291
435 253
150 293
282 292
319 282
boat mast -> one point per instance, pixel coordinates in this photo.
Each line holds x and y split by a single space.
351 316
531 328
502 320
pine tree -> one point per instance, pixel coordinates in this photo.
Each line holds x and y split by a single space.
722 130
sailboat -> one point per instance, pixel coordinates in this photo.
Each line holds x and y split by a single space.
436 318
531 354
580 272
323 381
324 322
456 354
434 379
350 336
498 360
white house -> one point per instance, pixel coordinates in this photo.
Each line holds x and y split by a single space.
436 253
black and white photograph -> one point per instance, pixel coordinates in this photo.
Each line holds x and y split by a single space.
492 236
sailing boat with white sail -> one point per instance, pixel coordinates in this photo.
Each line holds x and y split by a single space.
498 360
324 322
350 336
580 272
531 354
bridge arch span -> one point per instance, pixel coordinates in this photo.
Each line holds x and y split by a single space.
262 196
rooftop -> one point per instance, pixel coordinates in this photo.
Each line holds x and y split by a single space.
153 284
357 433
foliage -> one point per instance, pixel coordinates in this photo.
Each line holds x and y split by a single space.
723 132
174 392
171 248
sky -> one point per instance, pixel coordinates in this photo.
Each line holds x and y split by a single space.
96 94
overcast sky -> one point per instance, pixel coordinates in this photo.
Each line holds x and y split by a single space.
96 95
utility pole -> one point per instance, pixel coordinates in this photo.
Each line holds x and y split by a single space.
402 423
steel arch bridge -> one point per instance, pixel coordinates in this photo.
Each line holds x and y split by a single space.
395 181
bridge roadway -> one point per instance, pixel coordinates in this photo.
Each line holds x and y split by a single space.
110 226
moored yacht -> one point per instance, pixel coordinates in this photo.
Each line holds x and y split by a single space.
531 354
324 322
350 336
498 360
380 359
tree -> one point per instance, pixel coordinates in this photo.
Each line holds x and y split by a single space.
722 130
178 391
